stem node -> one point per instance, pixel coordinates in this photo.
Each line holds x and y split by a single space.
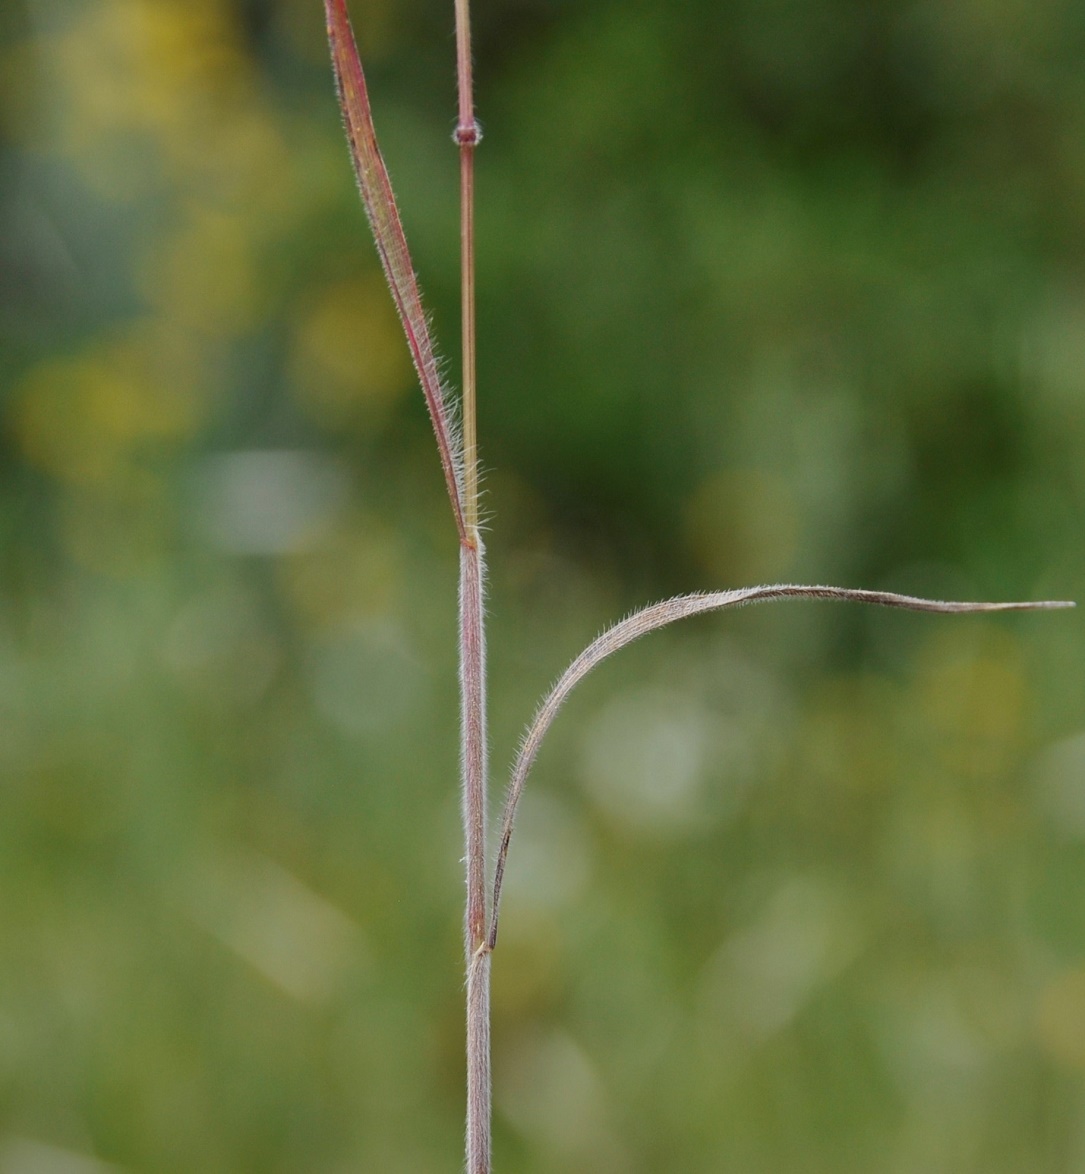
469 135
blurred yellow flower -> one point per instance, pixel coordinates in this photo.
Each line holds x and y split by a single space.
348 351
204 276
1060 1018
86 417
974 694
742 526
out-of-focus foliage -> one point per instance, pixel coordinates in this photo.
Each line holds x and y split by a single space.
788 289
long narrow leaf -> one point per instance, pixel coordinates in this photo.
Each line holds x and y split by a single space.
383 214
659 615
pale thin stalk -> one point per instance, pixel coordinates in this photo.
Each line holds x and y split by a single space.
473 760
478 1075
659 615
472 645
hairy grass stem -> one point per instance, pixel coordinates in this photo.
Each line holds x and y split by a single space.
459 460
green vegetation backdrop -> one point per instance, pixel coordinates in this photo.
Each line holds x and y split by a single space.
785 289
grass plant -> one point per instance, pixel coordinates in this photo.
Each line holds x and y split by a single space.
454 426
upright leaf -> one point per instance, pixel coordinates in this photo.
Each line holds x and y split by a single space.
384 220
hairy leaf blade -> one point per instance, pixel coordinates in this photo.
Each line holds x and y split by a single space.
659 615
387 228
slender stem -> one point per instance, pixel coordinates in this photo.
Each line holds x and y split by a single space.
467 136
472 646
478 1074
473 735
467 234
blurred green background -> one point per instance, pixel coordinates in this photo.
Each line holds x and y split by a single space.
792 289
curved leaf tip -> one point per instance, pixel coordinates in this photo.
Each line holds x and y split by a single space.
659 615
